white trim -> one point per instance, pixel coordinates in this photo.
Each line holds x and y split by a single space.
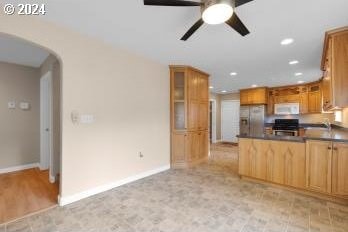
213 120
19 168
52 179
79 196
46 110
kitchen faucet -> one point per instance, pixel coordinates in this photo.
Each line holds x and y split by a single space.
327 123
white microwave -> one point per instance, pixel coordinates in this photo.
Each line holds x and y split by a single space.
287 108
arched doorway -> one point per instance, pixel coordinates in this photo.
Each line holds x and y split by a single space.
30 132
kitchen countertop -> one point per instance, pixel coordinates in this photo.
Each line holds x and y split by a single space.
336 135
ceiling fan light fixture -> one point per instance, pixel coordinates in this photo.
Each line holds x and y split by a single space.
217 13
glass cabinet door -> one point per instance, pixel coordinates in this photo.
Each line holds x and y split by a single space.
179 100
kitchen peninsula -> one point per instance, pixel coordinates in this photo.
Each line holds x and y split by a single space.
314 161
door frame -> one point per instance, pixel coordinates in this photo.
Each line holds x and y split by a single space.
222 126
213 120
46 91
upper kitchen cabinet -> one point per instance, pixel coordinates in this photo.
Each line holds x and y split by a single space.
335 67
314 104
308 96
254 96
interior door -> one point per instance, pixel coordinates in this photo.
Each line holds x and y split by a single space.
230 121
46 122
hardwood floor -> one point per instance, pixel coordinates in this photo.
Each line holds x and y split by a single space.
25 192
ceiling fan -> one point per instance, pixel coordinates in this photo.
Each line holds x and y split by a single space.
213 12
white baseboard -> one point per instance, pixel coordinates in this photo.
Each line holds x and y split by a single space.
52 179
19 168
79 196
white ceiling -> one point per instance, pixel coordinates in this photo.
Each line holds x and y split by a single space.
18 51
259 58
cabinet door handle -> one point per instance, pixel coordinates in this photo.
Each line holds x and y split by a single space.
335 148
329 148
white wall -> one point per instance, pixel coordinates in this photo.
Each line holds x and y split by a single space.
127 94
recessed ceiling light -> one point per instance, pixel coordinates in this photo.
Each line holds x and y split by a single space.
223 91
233 74
254 86
293 62
298 74
300 82
287 41
211 87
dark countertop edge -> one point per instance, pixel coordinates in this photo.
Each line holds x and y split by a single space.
313 125
326 139
278 138
290 139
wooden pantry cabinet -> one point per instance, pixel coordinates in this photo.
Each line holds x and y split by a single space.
335 67
189 101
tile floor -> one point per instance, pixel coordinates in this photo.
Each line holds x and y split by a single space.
210 197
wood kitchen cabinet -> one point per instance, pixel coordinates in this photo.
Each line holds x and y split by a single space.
303 103
319 158
246 153
254 96
314 98
335 67
274 161
253 158
340 169
189 101
286 163
287 99
317 166
327 167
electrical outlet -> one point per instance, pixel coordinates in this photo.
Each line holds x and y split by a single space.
141 154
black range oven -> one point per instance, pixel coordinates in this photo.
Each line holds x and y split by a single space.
286 127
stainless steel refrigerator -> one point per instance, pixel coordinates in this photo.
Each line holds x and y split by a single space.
252 119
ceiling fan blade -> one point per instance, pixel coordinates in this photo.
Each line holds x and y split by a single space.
192 30
237 25
171 3
241 2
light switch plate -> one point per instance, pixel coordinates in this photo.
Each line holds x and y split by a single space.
24 105
11 105
87 118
